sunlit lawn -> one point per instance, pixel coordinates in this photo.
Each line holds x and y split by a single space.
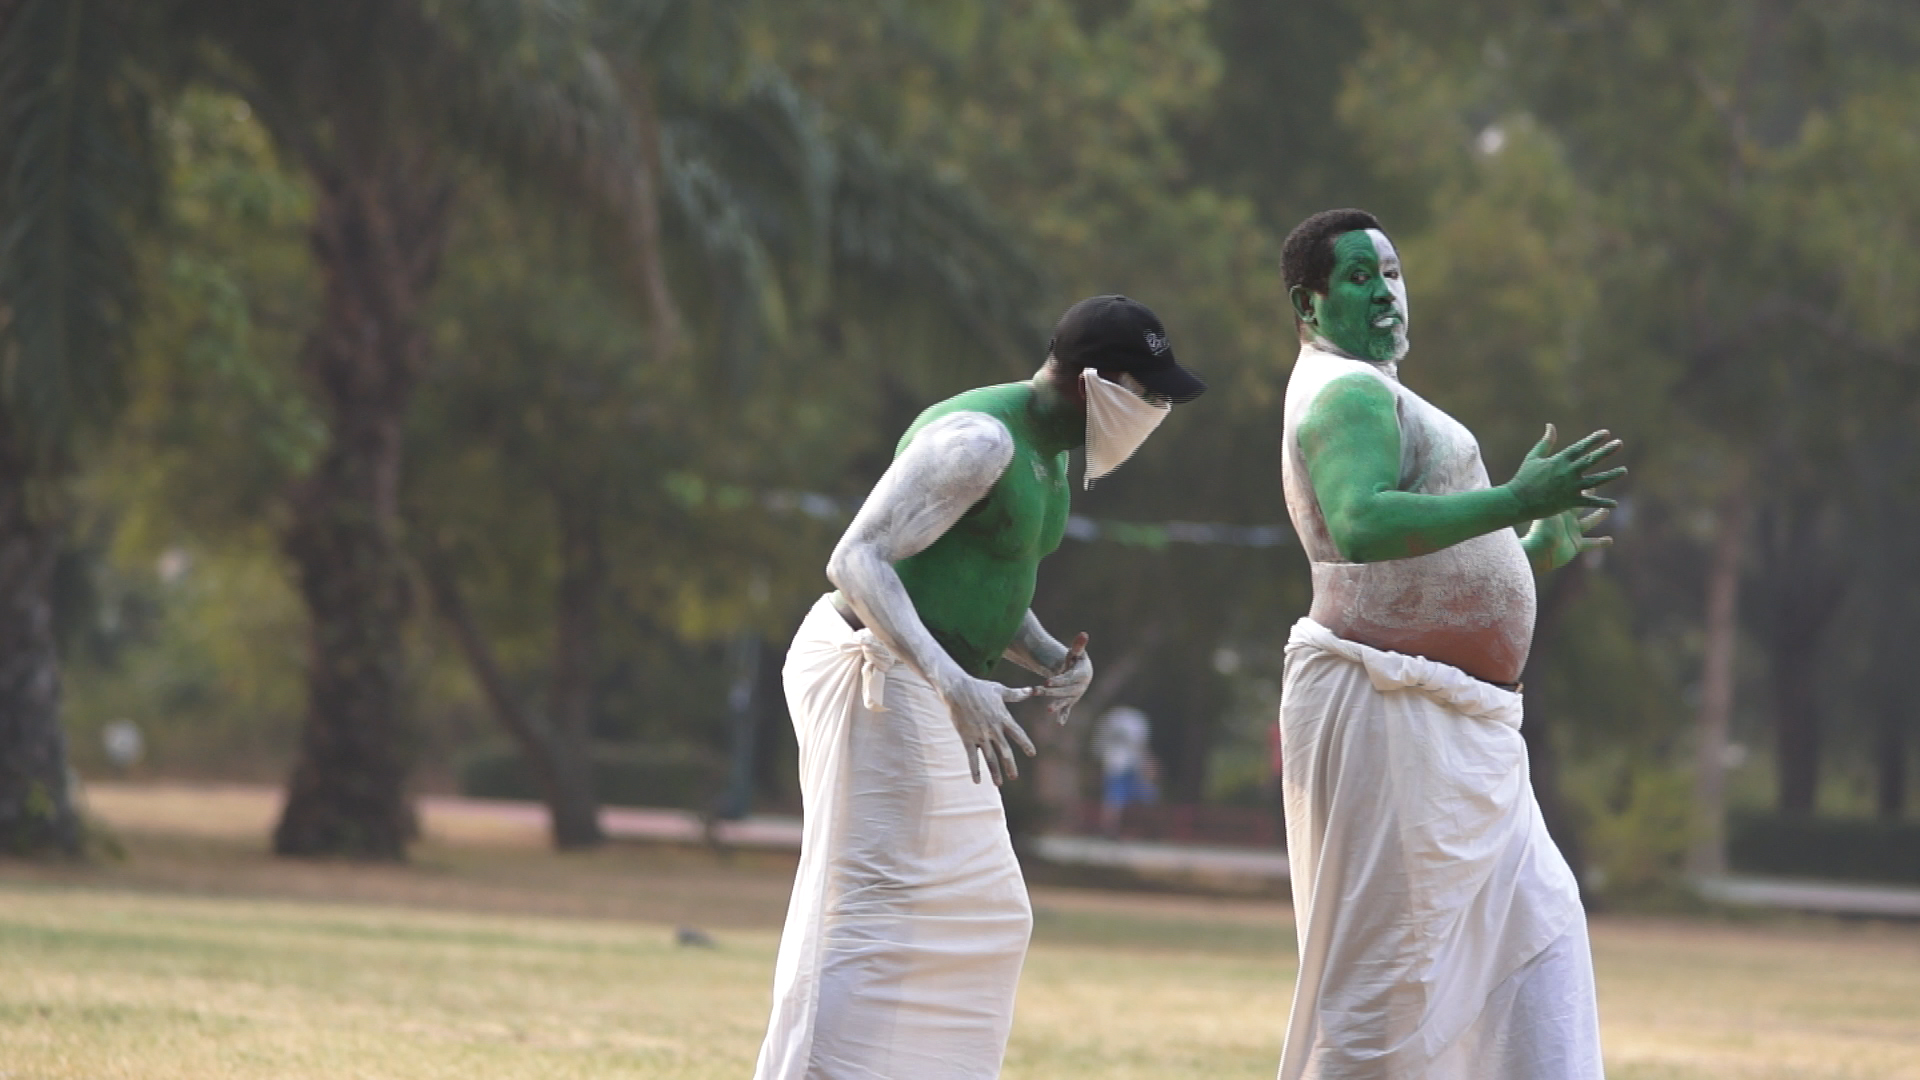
201 957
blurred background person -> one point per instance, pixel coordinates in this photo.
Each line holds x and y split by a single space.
1123 743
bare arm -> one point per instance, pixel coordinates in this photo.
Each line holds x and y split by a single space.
950 465
1066 667
1350 439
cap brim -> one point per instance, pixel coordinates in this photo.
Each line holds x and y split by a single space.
1177 383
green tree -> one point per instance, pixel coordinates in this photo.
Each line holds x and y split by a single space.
1730 249
383 105
79 181
543 397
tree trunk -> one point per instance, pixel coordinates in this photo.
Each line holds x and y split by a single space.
583 571
1891 767
1803 590
378 235
565 782
1796 724
1707 856
37 815
747 658
1543 757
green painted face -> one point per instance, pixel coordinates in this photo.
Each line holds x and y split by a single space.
1364 311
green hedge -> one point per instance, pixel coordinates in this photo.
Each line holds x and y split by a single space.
671 776
1842 849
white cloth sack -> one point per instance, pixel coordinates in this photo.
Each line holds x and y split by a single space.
1441 934
909 918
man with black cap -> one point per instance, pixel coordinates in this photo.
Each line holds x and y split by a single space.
909 918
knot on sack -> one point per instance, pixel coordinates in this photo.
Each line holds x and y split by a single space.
875 661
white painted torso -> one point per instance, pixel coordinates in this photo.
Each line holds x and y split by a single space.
1470 605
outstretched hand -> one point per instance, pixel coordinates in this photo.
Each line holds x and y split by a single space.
987 729
1549 483
1552 542
1069 680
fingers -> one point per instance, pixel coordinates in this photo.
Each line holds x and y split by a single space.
1020 739
1589 521
1051 689
1588 498
1588 460
974 754
1577 449
1545 445
1074 652
1004 767
1600 478
1595 543
1020 693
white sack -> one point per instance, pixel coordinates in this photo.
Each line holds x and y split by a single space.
909 918
1441 934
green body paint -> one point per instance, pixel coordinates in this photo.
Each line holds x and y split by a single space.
1351 435
1374 498
1351 440
973 586
1364 311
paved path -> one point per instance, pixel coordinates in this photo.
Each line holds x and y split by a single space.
632 823
1828 897
783 834
1266 863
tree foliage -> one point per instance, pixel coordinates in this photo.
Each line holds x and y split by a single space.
703 262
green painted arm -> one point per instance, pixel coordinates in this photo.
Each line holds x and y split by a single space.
1350 438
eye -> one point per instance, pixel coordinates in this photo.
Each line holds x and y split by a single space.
1394 274
1360 277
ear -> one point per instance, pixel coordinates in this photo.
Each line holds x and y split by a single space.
1304 303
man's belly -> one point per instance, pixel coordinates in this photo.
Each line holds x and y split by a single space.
1471 605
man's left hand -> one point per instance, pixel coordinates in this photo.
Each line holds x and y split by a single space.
1554 541
1069 680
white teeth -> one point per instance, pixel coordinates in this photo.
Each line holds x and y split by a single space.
1386 320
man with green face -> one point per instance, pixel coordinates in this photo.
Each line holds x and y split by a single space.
1441 934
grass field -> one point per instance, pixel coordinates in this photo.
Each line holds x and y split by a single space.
201 957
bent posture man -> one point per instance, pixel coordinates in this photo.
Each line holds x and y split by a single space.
909 918
1441 934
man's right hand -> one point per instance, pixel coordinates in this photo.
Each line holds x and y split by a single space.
979 708
1549 483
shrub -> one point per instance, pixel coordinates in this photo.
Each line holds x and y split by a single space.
661 775
1846 849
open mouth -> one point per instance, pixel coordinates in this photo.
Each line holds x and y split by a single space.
1387 320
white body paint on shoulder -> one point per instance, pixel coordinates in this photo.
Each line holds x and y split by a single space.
949 465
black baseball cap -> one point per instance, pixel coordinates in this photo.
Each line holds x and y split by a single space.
1114 333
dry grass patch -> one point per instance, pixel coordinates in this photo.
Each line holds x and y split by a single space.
489 957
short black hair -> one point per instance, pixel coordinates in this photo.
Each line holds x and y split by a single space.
1307 258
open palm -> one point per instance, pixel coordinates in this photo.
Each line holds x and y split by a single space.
1554 541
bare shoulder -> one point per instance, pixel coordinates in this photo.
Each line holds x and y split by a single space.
1354 390
964 443
1349 405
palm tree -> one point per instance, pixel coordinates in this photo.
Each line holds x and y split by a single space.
387 105
773 217
383 103
77 178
